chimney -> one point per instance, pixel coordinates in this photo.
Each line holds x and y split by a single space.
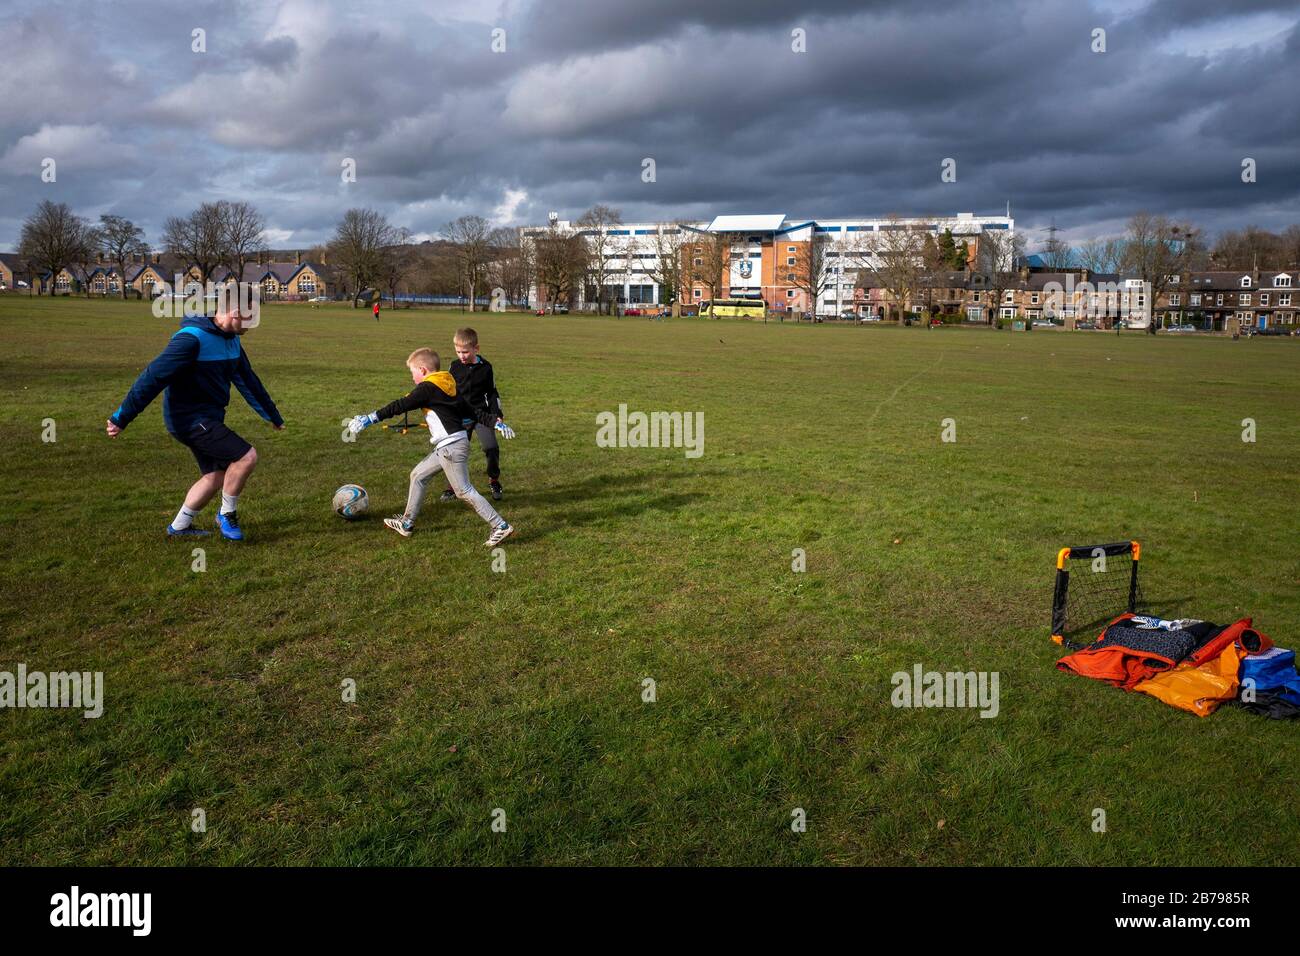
297 258
157 258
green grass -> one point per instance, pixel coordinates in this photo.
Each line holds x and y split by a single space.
522 690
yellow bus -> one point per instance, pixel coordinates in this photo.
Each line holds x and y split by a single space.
733 308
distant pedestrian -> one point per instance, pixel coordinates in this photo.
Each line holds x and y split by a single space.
376 310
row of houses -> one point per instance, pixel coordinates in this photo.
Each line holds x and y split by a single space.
1212 301
765 250
151 275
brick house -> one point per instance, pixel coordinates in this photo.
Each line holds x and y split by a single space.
1212 300
12 271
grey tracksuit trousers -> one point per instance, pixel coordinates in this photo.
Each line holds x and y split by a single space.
453 460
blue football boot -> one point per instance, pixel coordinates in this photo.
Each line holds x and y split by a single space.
229 525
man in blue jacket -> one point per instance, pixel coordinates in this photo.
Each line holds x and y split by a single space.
201 362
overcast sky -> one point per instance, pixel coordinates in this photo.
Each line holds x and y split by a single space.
736 121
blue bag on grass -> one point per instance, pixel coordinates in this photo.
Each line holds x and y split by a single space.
1273 670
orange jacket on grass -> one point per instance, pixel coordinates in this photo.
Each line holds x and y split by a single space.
1124 665
1198 689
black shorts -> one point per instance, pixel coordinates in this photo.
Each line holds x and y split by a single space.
214 446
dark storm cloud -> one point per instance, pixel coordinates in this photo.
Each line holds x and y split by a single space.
583 25
1176 14
439 125
278 54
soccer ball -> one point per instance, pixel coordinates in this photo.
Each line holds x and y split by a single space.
351 502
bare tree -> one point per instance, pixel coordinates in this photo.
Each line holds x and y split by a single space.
1101 255
996 256
562 260
669 270
242 234
618 270
1249 248
811 272
470 244
512 267
1156 248
596 224
396 262
54 238
120 240
891 256
439 272
357 247
1290 247
709 256
197 239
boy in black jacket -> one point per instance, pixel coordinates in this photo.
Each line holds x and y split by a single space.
473 374
445 412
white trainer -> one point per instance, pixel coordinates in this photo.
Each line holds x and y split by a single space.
499 535
399 524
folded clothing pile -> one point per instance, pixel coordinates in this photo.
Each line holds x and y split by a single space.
1270 684
1192 665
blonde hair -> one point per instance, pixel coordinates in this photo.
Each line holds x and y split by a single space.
427 358
466 336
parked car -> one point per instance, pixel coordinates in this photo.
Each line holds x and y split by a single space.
319 298
1086 326
869 318
1044 324
1272 330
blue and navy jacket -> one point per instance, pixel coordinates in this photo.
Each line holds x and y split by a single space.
197 369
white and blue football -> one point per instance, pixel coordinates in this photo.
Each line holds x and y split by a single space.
351 502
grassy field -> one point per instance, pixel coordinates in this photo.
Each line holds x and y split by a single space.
523 690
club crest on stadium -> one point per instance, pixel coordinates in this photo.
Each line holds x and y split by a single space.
745 269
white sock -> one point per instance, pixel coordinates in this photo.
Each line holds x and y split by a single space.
229 503
184 519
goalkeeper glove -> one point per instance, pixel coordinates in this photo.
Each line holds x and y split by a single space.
362 422
504 430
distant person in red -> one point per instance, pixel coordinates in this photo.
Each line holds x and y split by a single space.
376 310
